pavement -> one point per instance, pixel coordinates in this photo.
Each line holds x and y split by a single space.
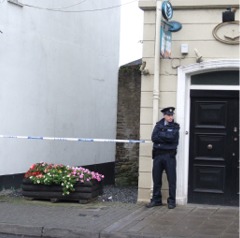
32 218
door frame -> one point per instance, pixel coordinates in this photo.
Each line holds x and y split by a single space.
183 113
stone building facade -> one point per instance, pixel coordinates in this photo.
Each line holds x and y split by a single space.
201 80
128 120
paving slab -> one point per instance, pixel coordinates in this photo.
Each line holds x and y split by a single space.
23 218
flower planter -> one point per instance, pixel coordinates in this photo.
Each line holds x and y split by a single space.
84 192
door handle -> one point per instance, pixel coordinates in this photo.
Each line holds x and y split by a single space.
209 147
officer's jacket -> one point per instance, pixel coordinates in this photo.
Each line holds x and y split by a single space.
165 137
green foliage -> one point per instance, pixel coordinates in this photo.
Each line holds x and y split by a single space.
66 176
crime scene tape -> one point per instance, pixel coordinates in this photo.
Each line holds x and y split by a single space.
73 139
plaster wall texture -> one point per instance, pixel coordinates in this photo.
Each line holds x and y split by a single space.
59 73
198 20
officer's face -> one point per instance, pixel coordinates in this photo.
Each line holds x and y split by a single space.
168 118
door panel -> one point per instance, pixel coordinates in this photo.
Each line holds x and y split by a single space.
211 114
214 152
210 146
209 178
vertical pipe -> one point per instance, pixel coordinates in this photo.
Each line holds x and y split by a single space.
157 62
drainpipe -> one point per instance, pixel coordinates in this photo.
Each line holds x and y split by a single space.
157 62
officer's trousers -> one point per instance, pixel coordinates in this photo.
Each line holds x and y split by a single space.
167 162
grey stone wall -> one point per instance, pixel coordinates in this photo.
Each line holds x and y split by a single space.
128 121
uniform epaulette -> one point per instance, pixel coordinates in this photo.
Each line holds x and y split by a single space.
176 124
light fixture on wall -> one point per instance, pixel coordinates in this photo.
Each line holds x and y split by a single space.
199 58
229 15
143 69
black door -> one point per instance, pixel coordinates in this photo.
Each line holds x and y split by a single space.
214 147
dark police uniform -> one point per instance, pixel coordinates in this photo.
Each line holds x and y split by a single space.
165 137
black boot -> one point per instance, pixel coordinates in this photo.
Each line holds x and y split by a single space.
153 204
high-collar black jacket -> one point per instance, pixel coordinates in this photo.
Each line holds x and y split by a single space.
165 137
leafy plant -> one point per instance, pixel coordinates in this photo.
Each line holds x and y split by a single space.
66 176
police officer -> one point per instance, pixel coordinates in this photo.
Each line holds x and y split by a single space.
165 138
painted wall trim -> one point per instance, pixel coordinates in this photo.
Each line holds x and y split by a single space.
198 4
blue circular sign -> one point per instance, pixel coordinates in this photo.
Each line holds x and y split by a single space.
175 26
167 10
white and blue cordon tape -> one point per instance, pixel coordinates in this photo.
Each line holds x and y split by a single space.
73 139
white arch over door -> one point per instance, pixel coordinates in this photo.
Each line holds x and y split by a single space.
183 113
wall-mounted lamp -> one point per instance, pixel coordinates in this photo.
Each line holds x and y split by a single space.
229 15
199 58
143 68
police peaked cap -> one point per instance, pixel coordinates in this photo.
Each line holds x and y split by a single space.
168 110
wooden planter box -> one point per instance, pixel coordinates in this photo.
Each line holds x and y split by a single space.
84 192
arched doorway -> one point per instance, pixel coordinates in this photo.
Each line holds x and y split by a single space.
185 116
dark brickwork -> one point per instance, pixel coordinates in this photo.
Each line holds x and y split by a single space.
128 122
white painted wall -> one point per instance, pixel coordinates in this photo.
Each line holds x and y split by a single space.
131 32
58 78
